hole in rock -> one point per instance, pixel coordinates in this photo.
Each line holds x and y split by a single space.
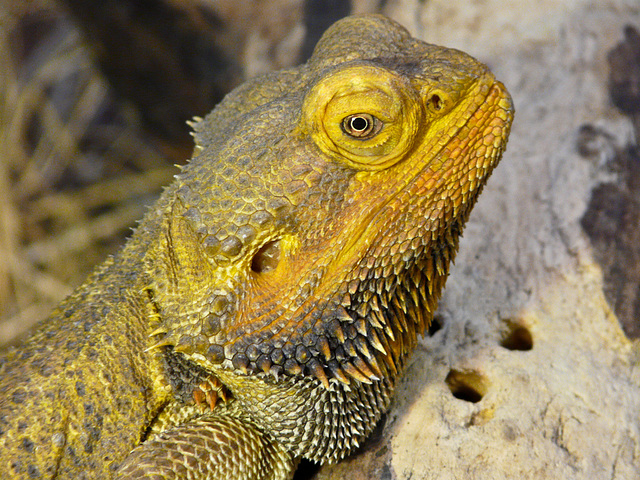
436 325
516 337
467 385
306 470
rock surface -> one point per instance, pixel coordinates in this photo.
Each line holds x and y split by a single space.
531 375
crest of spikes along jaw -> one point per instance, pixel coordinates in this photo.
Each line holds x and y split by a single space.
313 231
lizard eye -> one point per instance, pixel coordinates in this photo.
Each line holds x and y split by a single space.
363 115
361 125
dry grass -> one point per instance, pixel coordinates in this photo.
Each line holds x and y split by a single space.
75 170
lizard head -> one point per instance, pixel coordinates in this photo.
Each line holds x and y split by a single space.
312 232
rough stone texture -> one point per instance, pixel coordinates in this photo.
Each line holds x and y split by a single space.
531 375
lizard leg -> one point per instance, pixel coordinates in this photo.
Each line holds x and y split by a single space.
209 392
209 448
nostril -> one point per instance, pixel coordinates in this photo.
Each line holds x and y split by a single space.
267 258
436 102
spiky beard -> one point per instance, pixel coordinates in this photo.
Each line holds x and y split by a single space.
385 317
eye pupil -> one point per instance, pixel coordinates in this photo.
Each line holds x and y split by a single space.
361 126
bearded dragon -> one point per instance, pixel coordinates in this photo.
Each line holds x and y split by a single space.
263 310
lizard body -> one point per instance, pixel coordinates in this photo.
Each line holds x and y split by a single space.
264 308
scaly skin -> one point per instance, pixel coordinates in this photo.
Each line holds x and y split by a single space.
263 310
